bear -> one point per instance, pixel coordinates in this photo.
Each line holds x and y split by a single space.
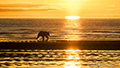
43 34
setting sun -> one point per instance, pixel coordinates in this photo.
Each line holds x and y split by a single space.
72 17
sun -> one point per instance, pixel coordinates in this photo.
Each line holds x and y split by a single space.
72 17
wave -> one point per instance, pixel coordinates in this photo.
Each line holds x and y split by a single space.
15 33
105 32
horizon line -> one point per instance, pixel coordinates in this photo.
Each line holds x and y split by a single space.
56 17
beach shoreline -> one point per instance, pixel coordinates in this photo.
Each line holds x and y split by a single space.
76 45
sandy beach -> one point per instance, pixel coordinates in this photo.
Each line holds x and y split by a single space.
82 45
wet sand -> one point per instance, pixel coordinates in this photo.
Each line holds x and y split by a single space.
82 45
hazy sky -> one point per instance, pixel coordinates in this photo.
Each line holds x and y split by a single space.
59 8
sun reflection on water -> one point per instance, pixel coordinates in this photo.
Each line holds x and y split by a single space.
72 59
72 23
72 27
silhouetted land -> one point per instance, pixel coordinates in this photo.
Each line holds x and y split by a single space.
82 45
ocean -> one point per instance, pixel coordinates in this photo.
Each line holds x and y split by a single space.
85 29
21 58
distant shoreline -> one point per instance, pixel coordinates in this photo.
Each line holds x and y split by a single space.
81 45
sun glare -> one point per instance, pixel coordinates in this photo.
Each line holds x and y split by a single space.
72 17
72 59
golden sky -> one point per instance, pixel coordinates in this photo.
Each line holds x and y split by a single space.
59 8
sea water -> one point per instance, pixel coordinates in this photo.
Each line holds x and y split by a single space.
21 58
92 29
87 29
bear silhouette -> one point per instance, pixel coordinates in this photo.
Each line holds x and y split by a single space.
43 34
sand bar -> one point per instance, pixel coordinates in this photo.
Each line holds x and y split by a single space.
82 45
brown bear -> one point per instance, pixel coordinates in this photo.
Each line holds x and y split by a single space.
43 34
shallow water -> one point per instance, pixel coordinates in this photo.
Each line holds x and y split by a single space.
59 58
61 29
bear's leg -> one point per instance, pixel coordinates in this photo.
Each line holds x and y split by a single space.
43 38
37 37
47 38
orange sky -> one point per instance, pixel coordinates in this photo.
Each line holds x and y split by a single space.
59 8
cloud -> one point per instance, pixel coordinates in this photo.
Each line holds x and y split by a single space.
25 9
22 5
